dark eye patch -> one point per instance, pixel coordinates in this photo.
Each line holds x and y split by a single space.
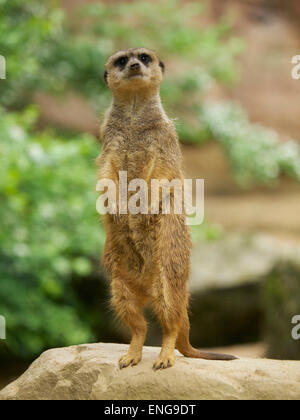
145 58
121 62
105 76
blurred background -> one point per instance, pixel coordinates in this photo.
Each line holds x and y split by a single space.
229 88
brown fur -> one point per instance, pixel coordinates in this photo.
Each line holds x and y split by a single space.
146 256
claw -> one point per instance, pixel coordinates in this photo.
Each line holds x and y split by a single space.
166 363
126 361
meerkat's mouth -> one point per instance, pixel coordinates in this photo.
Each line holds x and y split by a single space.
135 75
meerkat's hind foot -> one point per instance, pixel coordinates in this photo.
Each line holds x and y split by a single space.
164 362
129 359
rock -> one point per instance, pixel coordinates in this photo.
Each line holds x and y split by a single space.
281 299
89 372
236 259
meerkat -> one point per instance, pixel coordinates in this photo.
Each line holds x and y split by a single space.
147 256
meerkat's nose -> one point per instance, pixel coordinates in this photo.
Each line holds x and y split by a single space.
135 66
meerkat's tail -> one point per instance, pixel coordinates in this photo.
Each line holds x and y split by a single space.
184 346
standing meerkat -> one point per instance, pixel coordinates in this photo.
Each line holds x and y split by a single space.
147 256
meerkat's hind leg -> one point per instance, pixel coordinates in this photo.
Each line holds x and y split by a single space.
166 357
168 311
129 307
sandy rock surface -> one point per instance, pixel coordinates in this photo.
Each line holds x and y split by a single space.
90 372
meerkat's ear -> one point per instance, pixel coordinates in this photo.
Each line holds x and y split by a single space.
162 65
105 76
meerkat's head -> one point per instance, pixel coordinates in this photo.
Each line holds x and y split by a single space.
134 69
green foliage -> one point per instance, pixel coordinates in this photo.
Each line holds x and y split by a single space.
49 231
43 53
256 154
26 28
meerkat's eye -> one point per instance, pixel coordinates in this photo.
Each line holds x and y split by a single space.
121 62
145 58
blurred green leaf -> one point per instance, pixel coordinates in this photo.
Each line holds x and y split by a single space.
49 231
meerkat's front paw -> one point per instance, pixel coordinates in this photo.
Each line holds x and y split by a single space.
164 361
129 359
